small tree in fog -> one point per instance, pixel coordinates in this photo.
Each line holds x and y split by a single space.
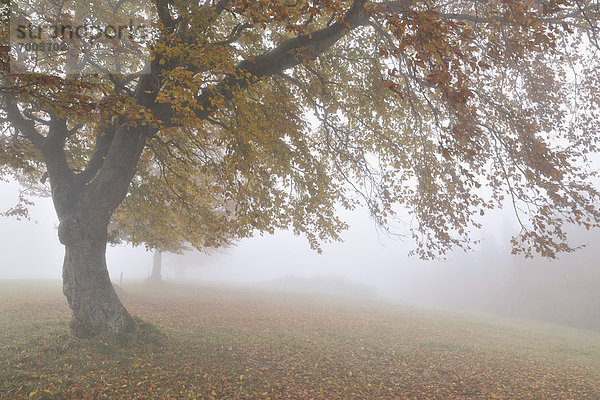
159 229
445 108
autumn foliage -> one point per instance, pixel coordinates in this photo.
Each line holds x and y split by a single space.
446 108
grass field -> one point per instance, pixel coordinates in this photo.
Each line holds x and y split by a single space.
210 342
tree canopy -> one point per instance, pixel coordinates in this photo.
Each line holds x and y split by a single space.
290 109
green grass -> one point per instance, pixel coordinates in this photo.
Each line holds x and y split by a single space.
210 342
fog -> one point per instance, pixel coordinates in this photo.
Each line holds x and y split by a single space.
367 264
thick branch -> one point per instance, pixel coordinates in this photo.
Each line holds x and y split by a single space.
164 15
111 183
65 192
103 142
287 55
25 126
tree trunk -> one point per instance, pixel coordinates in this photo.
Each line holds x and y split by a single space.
156 267
84 204
86 282
89 291
85 201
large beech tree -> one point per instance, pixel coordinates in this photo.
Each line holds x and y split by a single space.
290 109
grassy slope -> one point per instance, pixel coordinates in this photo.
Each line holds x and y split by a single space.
243 344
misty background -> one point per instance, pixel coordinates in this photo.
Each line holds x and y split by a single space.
367 264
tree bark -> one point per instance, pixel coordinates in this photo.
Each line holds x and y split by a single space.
86 282
84 211
156 267
89 291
